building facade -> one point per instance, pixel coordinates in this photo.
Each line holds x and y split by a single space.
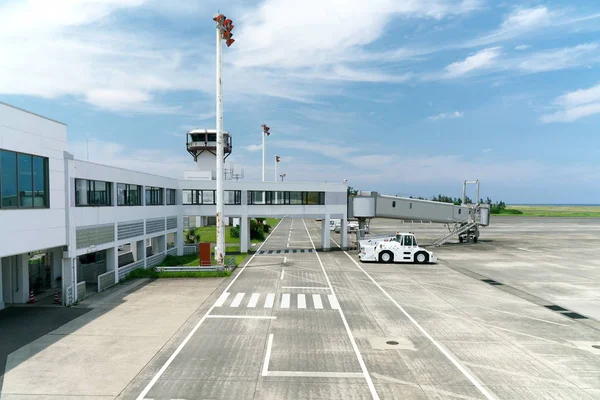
69 226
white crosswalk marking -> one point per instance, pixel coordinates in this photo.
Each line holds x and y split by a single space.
301 301
317 301
333 301
253 300
237 300
285 300
221 300
270 300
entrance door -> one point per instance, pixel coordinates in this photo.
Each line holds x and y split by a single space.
40 272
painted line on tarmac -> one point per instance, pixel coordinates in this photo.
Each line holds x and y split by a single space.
162 370
282 272
241 316
363 366
265 369
441 348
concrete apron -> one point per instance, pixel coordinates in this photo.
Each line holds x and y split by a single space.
98 354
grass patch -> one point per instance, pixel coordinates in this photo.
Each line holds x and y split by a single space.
554 211
151 273
273 221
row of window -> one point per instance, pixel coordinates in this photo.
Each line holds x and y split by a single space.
99 193
209 197
255 197
23 180
292 198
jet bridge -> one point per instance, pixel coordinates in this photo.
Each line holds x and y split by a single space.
462 220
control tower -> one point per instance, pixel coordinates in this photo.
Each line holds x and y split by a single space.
202 145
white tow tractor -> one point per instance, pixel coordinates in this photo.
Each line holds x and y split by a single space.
402 247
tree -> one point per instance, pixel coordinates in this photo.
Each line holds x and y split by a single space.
352 191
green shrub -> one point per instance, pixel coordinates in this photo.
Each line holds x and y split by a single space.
234 232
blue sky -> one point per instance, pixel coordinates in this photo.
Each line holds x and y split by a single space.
403 97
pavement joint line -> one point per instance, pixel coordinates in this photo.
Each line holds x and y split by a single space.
162 370
361 362
242 316
441 348
305 287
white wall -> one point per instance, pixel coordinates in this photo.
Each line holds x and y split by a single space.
26 230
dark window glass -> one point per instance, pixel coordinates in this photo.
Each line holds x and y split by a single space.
8 178
212 137
92 193
208 197
39 182
171 197
121 194
233 197
25 181
154 196
295 198
129 195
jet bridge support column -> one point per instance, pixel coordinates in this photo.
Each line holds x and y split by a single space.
361 227
344 232
325 237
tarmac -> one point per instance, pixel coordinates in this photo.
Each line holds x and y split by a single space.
514 316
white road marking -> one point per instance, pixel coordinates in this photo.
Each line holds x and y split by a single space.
237 300
284 260
333 301
363 366
221 300
282 272
267 355
317 301
253 300
285 300
242 316
162 369
441 348
301 301
270 300
305 287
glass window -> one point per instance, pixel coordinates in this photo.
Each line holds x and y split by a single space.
92 193
129 195
154 196
408 240
295 198
188 196
25 181
233 197
171 197
8 178
40 178
208 197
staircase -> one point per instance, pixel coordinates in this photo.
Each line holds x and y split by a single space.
458 229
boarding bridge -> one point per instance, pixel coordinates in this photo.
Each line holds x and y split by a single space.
463 220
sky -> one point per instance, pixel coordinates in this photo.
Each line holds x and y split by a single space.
401 97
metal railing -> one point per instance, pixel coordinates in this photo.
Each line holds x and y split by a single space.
155 259
124 270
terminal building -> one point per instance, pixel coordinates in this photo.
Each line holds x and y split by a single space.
73 227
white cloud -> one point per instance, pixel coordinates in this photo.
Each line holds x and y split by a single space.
526 18
562 58
488 150
452 115
483 59
522 47
253 147
575 105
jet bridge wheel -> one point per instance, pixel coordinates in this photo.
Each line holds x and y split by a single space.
386 257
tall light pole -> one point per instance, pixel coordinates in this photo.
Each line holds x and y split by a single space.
224 27
282 176
265 132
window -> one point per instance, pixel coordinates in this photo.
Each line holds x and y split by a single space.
293 198
129 195
408 241
23 180
93 193
154 196
208 197
233 197
393 204
171 197
190 196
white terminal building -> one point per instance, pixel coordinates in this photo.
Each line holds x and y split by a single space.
74 227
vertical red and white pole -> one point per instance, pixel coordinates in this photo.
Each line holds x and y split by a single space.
220 245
